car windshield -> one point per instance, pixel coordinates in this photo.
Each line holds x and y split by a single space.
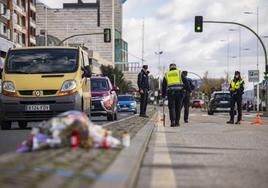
42 61
222 96
125 98
99 85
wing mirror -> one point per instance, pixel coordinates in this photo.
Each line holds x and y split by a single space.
87 72
115 88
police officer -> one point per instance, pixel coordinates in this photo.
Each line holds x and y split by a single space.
173 84
187 96
236 90
143 84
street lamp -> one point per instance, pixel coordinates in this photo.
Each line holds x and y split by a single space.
159 53
258 86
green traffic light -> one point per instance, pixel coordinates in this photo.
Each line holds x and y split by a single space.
198 28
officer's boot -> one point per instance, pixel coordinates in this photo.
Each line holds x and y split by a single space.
230 122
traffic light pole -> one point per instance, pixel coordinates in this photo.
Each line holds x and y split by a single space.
263 46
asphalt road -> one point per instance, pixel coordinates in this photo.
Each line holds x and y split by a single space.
207 153
10 139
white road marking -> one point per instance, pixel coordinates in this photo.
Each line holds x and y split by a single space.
162 177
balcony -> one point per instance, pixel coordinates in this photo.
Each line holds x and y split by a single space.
32 40
20 28
20 10
32 23
32 7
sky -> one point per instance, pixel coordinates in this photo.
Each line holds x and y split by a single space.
169 26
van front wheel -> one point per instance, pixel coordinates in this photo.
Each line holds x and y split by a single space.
5 125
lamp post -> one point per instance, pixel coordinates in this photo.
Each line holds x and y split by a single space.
159 53
258 85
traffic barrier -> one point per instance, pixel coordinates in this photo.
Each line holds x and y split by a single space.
257 120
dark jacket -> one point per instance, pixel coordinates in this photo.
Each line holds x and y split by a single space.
191 86
165 86
143 80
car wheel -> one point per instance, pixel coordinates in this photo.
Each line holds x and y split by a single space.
135 112
110 117
22 124
5 125
210 112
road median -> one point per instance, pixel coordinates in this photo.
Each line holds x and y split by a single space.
68 167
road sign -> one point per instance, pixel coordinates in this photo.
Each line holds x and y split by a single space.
253 75
265 83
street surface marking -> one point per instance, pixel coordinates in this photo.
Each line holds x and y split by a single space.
162 177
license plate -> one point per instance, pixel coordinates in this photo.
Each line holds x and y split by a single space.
37 108
224 102
223 109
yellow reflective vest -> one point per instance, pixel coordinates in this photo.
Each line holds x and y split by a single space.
173 77
236 85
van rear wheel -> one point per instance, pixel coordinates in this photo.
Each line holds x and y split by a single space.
5 125
22 124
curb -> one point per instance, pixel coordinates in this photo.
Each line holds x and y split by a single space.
118 121
123 172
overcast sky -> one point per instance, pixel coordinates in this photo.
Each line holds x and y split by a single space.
170 24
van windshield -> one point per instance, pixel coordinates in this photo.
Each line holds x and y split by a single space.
42 61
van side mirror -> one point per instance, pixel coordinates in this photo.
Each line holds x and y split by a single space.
115 88
87 72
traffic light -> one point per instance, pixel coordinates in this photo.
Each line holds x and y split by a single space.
107 35
198 24
266 75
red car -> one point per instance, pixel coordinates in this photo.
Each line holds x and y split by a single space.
104 98
197 103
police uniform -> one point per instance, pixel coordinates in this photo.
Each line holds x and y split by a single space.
186 98
143 84
173 84
236 91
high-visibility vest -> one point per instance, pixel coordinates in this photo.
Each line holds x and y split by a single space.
173 77
236 85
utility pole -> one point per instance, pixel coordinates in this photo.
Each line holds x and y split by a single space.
142 48
46 25
113 32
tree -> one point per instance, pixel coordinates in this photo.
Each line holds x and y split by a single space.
209 85
114 74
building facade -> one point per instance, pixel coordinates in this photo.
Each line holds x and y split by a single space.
17 22
80 18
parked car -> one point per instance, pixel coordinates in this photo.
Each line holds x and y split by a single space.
127 103
41 82
198 103
104 98
220 102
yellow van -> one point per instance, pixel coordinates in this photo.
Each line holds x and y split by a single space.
41 82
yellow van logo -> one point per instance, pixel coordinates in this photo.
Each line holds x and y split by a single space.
38 93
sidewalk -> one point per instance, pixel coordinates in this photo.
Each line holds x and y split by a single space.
206 153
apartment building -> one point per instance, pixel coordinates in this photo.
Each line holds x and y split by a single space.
17 23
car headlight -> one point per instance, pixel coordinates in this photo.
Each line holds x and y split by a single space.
8 88
133 104
68 87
